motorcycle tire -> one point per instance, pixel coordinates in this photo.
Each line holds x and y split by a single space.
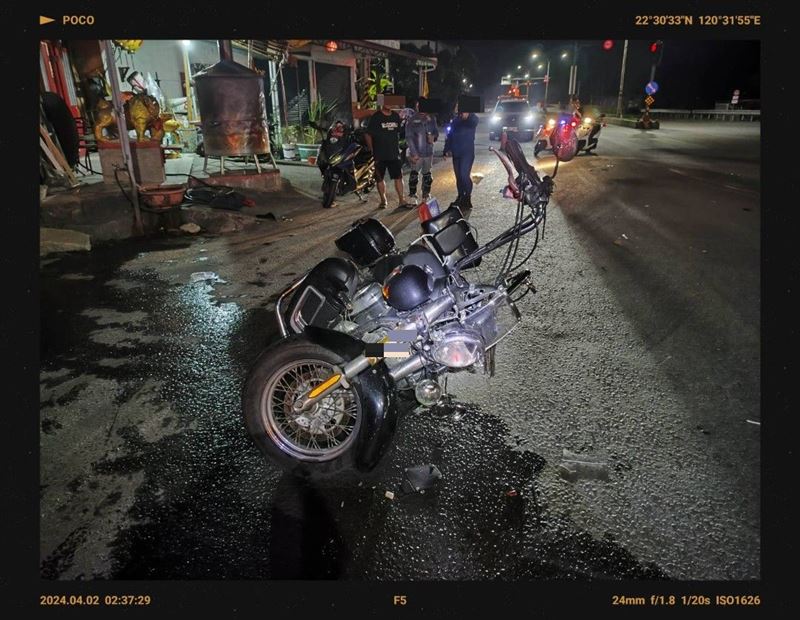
328 193
297 364
537 148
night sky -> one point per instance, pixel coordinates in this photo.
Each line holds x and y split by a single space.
692 74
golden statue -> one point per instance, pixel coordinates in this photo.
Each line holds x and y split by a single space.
142 113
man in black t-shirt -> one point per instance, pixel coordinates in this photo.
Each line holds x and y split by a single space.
383 139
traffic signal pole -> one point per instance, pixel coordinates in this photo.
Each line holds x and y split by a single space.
622 78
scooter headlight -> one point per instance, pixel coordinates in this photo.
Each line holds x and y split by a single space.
587 121
551 122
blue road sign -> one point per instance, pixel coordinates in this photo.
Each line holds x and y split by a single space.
651 88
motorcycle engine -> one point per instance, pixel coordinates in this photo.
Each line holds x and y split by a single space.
366 306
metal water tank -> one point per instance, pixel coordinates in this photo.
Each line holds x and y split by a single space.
233 110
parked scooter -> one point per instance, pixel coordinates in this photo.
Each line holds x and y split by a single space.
345 162
586 129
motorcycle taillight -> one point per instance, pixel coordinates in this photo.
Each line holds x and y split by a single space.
424 212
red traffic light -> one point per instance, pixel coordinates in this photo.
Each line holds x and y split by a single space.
654 46
608 44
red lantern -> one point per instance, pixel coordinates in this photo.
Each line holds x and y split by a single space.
331 46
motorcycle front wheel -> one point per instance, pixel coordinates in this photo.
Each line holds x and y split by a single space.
328 192
322 440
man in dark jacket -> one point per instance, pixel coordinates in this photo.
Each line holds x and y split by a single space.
460 143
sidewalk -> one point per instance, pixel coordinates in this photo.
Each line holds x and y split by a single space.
102 212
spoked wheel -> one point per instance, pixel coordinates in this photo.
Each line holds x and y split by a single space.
320 439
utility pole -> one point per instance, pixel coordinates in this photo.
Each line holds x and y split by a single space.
573 74
546 82
622 78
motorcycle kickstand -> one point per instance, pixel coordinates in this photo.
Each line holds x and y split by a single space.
360 197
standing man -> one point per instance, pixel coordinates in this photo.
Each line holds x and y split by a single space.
421 133
460 143
383 139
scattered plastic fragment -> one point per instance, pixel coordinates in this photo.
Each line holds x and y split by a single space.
201 276
389 495
420 478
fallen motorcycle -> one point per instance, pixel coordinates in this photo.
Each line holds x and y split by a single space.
354 333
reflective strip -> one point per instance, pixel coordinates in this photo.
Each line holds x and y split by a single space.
324 386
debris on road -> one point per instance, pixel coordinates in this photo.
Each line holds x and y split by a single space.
754 422
624 236
582 467
420 478
202 276
191 228
389 495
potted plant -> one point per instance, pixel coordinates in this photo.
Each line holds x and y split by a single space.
289 141
320 117
308 143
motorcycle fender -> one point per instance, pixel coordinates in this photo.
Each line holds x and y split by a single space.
376 388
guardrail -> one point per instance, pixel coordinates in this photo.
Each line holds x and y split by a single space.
730 115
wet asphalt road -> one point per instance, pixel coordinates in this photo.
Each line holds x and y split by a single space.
640 352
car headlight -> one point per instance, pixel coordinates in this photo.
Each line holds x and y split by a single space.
528 118
497 118
587 120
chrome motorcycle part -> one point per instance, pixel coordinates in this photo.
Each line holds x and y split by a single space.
457 348
320 432
306 309
428 392
278 306
368 304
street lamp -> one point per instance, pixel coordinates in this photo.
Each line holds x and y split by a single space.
464 81
535 55
540 66
564 54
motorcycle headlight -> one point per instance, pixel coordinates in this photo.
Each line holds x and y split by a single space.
497 118
335 159
551 122
587 120
457 349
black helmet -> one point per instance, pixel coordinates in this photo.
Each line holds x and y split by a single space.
407 287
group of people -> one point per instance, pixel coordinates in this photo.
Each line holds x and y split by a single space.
383 132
